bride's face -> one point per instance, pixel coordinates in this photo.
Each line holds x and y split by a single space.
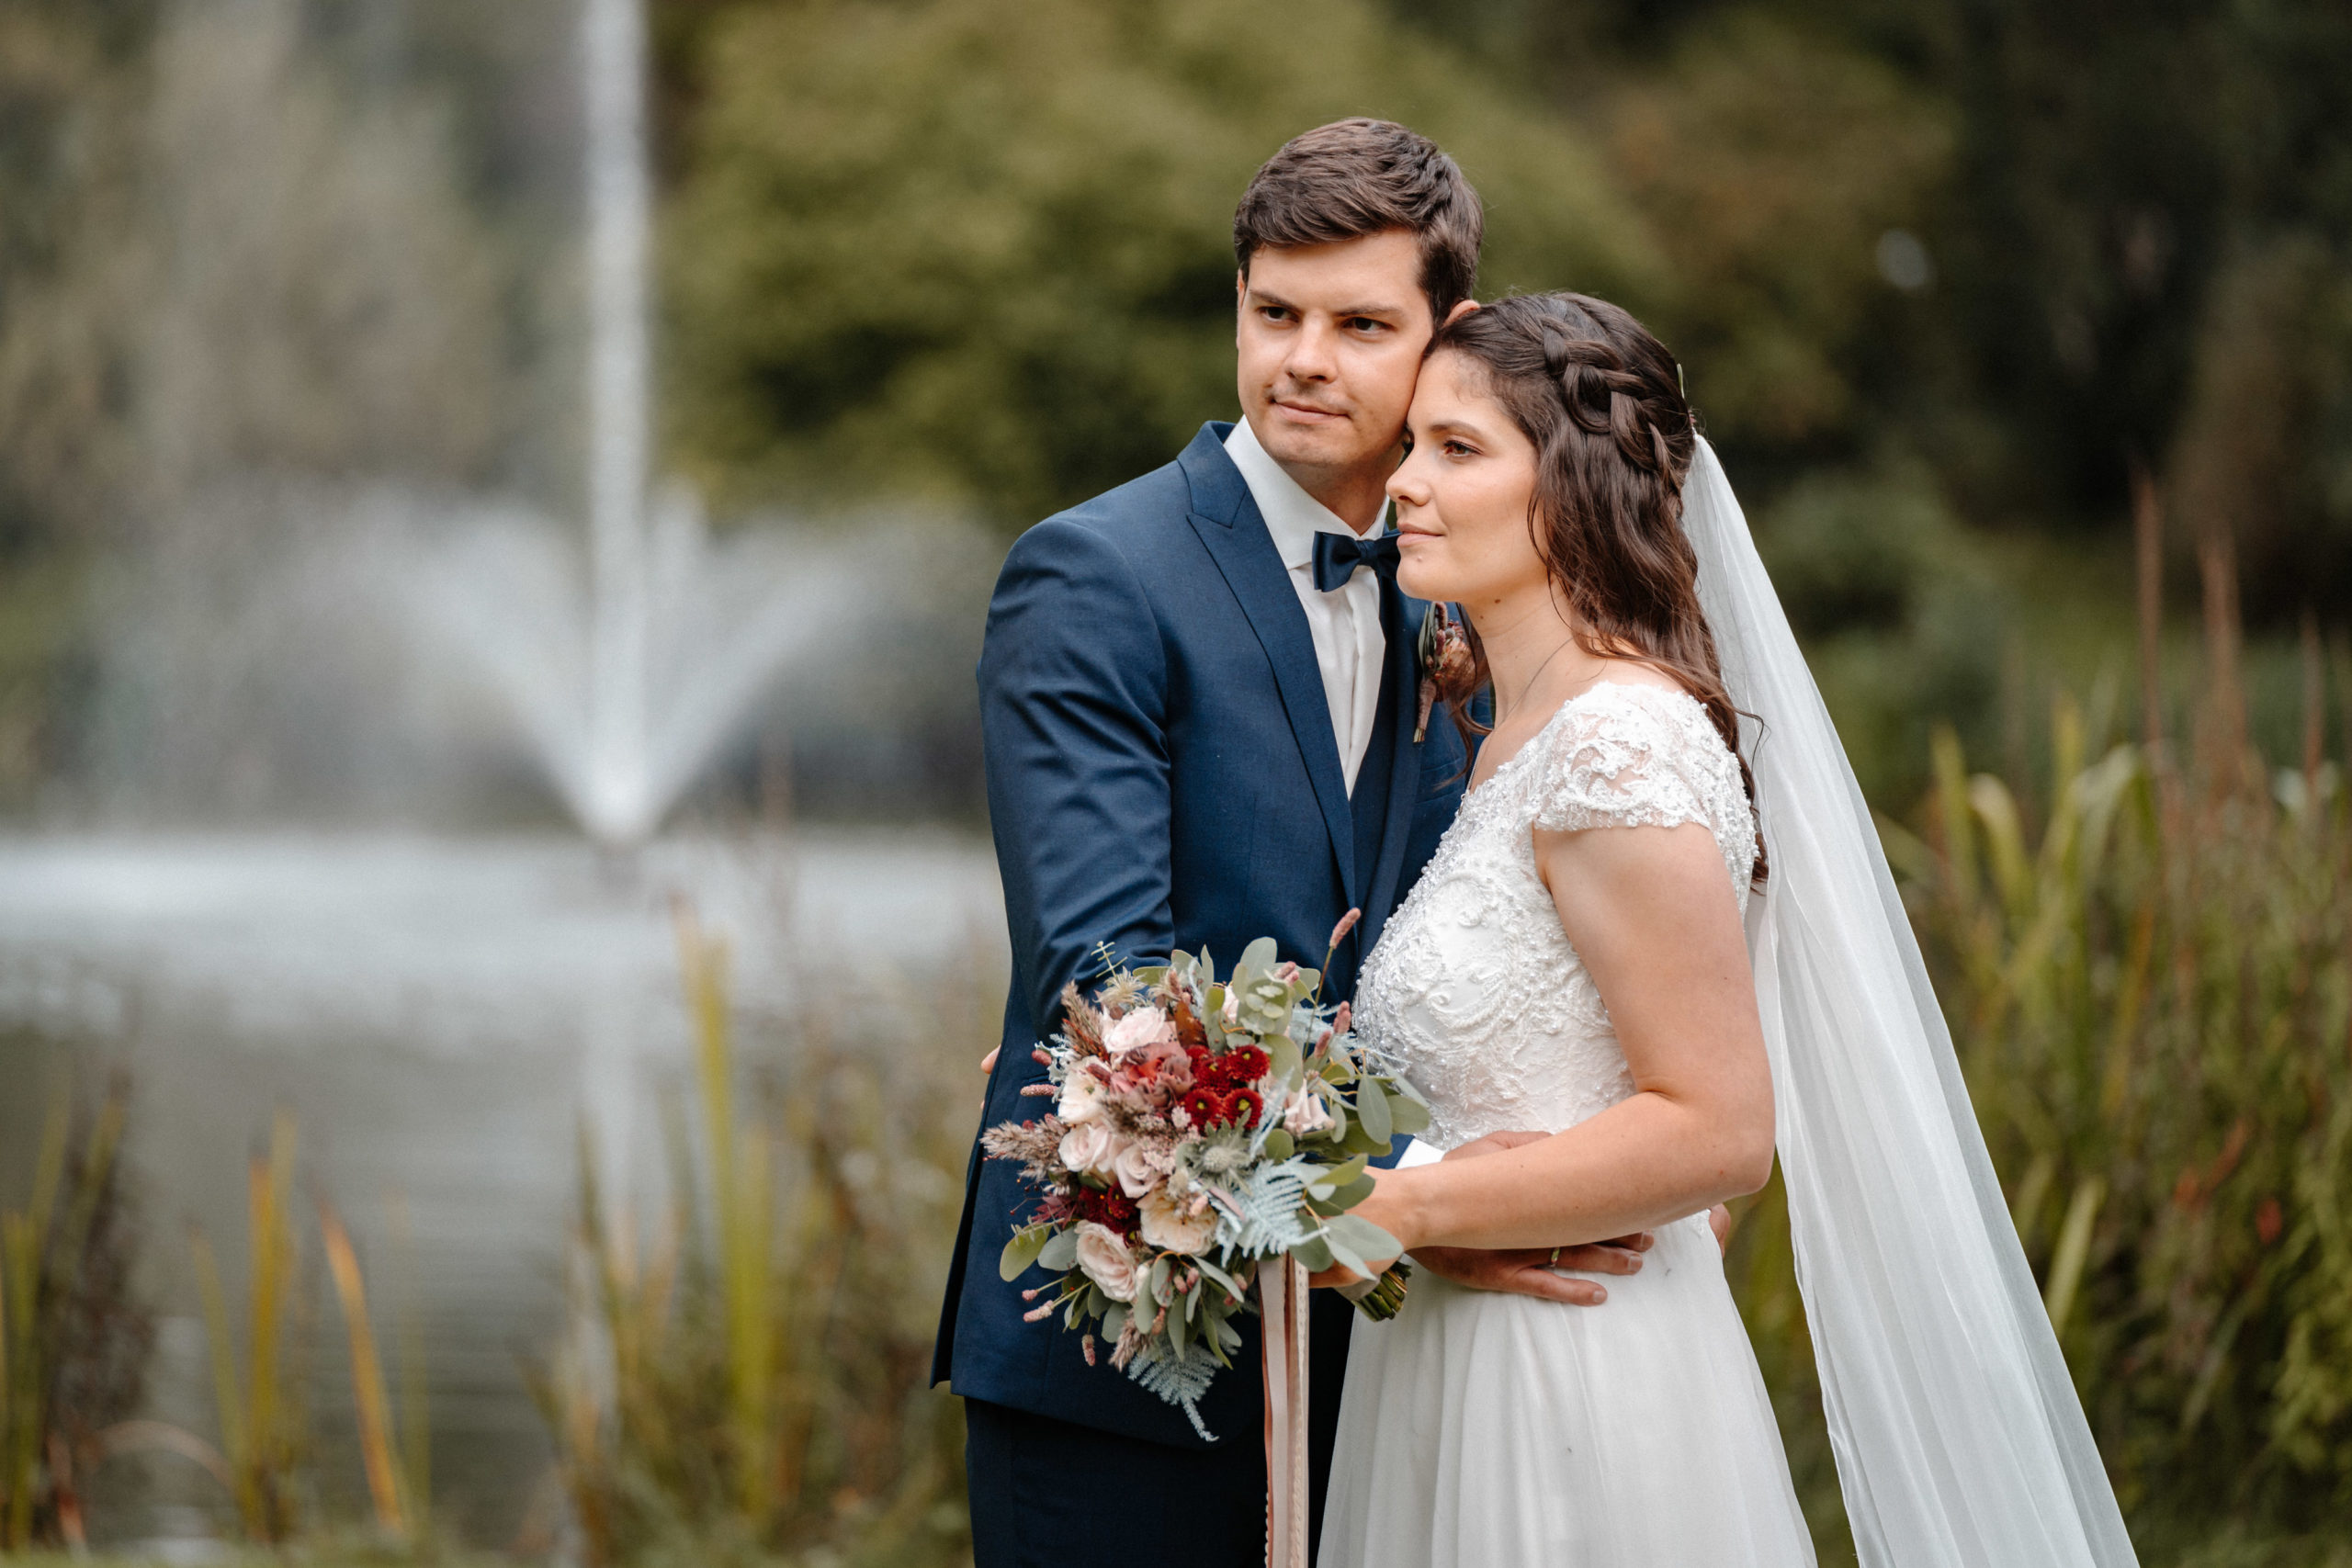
1464 493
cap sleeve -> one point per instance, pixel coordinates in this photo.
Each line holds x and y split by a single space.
1616 760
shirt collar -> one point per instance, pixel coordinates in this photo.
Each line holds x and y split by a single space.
1293 516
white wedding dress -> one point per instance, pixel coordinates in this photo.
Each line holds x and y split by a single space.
1482 1430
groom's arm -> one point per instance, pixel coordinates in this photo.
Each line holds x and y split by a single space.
1073 704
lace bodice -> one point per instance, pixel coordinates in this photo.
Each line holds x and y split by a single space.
1474 989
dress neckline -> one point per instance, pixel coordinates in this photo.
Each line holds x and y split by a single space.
1566 703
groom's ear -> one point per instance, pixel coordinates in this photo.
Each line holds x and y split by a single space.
1461 309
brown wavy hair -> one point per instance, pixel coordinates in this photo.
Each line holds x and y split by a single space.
1602 402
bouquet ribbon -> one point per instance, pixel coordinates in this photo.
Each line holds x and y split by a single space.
1282 1302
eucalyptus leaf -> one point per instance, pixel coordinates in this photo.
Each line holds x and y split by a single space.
1280 1145
1115 1322
1408 1116
1313 1253
1372 1109
1287 1069
1060 1252
1224 1280
1259 955
1023 1250
1361 1237
1353 1192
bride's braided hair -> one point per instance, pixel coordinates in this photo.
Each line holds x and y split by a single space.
1602 402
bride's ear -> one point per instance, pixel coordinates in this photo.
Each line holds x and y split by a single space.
1461 309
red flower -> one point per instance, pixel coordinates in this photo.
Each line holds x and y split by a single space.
1243 1065
1113 1209
1206 1105
1243 1106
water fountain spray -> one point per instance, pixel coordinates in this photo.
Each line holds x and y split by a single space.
615 800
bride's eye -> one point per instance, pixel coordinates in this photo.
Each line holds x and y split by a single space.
1460 449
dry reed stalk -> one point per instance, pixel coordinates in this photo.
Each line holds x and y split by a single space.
370 1403
260 1421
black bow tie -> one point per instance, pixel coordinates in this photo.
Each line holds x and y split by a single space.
1336 556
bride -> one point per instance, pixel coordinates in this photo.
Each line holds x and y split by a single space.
1662 959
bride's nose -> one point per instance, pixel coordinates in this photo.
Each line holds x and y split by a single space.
1407 487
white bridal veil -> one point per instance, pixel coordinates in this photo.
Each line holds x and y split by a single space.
1960 1442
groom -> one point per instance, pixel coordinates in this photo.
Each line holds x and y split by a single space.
1198 699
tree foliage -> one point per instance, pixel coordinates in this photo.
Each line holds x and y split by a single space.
985 251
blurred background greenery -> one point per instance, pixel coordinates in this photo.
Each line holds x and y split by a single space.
2014 324
1940 274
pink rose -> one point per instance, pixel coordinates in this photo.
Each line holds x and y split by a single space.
1090 1145
1104 1259
1145 1026
1140 1166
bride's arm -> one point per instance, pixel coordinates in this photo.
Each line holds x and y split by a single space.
1654 917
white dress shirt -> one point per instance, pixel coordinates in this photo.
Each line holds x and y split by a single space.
1349 644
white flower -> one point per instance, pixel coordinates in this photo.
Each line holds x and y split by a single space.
1081 1100
1306 1114
1143 1026
1140 1166
1090 1145
1104 1259
1177 1226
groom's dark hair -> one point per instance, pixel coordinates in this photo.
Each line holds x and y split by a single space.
1355 177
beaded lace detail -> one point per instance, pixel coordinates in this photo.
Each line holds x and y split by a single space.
1474 989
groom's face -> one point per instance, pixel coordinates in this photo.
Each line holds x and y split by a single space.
1330 340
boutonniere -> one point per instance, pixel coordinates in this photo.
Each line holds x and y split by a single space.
1441 653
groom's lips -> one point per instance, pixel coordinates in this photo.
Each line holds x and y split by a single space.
1307 412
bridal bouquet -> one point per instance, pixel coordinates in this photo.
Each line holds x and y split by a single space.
1201 1128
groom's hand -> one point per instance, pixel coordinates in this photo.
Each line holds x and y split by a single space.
1530 1271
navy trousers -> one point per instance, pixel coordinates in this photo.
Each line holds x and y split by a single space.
1051 1494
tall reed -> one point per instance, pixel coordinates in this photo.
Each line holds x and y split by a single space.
745 1377
72 1340
371 1401
264 1432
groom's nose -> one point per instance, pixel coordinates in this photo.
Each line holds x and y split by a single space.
1313 356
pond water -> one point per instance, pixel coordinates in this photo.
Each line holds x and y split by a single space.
438 1011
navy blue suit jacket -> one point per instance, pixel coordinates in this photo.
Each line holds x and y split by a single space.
1162 774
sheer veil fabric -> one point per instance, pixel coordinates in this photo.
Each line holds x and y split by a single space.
1959 1438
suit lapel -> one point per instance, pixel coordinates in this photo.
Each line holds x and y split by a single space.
1400 619
1228 522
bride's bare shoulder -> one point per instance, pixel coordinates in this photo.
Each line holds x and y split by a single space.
1640 672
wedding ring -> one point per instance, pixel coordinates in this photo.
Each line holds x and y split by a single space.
1555 1257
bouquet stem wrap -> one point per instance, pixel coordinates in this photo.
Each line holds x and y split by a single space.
1282 1306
